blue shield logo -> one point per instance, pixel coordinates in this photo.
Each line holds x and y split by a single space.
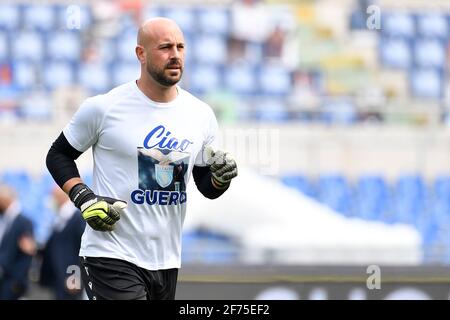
164 175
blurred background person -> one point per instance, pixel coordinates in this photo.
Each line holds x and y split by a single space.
61 250
17 246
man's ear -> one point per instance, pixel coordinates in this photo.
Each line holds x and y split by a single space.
140 54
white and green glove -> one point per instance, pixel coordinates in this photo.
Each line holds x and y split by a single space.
101 213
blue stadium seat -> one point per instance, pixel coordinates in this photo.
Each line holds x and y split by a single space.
184 16
427 83
215 20
372 197
340 111
107 51
205 246
241 79
300 183
275 80
27 45
39 17
395 53
4 46
125 72
398 24
433 25
334 191
9 17
24 74
94 77
430 53
410 199
126 44
271 110
151 10
210 49
58 74
36 105
17 179
441 187
204 78
64 45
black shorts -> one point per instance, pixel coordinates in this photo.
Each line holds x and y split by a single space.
114 279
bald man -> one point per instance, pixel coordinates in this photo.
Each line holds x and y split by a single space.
148 137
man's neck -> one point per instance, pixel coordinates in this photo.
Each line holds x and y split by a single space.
156 92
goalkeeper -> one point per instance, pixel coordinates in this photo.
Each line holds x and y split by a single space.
132 249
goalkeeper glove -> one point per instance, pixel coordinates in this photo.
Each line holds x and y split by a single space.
223 168
101 213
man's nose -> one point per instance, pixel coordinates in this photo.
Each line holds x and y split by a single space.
176 53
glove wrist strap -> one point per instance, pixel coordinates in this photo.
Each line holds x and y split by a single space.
217 184
80 195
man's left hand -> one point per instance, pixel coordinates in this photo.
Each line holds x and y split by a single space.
223 168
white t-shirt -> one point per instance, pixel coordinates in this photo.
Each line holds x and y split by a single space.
144 152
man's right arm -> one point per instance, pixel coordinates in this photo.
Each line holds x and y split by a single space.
101 213
61 163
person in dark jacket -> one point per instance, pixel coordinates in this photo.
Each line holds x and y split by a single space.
60 265
17 246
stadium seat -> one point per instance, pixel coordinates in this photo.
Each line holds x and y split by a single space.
275 80
398 24
184 16
300 183
94 77
427 83
204 78
27 45
126 44
271 110
39 17
372 197
4 46
64 45
58 74
334 191
125 72
208 247
36 105
395 53
210 49
24 75
151 10
430 53
214 20
441 187
9 17
241 79
433 25
340 111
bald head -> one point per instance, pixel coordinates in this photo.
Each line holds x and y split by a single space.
160 50
156 28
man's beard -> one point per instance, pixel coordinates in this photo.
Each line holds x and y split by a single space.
159 75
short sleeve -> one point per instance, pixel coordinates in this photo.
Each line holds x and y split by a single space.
83 129
211 139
